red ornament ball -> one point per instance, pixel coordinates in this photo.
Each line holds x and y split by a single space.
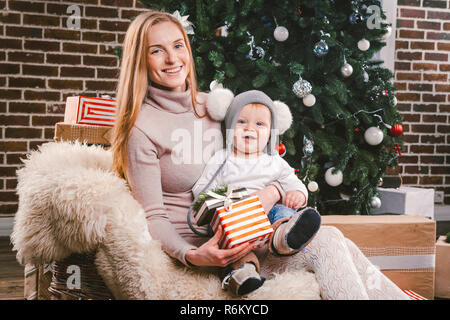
396 130
281 149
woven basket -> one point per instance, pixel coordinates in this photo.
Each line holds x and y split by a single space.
91 286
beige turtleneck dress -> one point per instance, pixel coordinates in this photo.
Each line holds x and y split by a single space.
167 151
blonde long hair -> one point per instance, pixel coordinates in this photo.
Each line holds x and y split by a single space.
133 82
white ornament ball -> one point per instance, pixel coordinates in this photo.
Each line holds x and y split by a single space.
215 85
281 34
373 136
375 202
388 34
313 186
309 100
347 70
363 45
333 179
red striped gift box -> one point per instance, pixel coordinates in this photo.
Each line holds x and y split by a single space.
91 111
414 296
244 221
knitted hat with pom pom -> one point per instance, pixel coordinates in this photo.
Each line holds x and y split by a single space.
222 105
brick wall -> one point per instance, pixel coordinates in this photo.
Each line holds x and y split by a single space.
42 61
422 78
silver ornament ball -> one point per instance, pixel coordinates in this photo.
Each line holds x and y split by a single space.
320 48
301 88
375 202
281 34
373 136
347 70
313 186
260 53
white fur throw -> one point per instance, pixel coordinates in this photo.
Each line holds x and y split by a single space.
70 201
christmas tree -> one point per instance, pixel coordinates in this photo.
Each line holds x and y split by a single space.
314 55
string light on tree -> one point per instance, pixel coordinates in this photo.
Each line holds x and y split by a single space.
378 94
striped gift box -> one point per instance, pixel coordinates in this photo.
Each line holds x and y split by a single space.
414 296
91 111
244 221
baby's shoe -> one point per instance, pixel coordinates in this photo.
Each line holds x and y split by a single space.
293 235
243 280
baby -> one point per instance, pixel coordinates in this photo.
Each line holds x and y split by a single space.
253 122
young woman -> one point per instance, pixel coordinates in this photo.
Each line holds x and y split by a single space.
163 139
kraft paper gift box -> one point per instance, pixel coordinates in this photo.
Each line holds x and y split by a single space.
213 201
242 221
442 268
37 281
402 246
406 200
84 133
90 111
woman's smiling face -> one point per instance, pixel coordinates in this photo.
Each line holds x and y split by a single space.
167 56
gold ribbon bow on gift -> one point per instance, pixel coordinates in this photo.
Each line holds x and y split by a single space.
229 196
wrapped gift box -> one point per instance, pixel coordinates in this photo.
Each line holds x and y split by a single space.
413 295
442 268
90 111
37 281
243 221
402 246
83 133
213 202
406 200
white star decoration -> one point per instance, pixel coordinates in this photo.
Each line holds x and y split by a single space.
187 25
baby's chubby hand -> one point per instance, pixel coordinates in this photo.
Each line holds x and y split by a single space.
295 199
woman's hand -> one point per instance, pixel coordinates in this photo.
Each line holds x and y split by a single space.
268 196
209 253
